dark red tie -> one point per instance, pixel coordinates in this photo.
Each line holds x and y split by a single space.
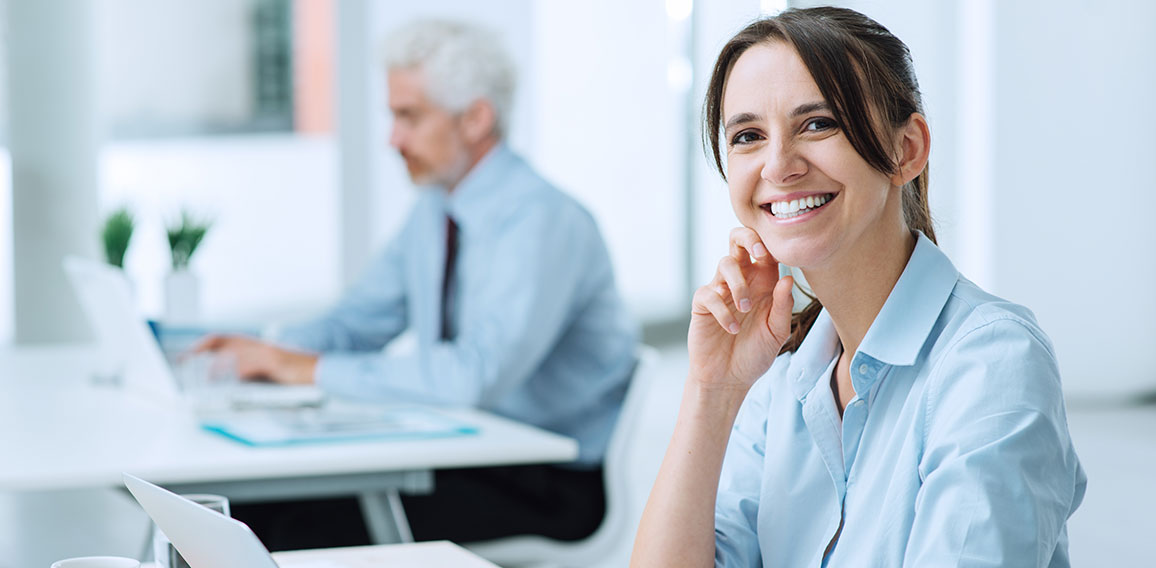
448 276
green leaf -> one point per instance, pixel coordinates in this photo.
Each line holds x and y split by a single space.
116 234
184 238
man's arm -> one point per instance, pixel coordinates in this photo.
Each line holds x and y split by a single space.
516 313
370 313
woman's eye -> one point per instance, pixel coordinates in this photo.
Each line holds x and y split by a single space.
819 125
744 137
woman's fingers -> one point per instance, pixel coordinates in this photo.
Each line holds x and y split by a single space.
709 299
779 318
746 244
731 289
732 273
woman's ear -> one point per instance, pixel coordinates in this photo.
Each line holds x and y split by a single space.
914 147
479 121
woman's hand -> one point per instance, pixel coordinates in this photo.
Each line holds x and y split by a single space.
741 318
738 323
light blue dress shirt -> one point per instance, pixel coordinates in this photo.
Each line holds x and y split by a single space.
954 452
540 332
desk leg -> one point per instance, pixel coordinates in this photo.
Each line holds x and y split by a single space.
384 514
385 517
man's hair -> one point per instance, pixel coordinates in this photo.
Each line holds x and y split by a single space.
461 63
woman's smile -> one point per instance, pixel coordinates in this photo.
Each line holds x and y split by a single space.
797 208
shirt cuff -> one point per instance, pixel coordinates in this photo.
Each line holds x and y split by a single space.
344 375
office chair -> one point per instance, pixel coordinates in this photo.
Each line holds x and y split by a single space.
623 507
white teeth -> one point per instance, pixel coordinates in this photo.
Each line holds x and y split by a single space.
796 207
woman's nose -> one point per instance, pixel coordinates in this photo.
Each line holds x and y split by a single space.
782 163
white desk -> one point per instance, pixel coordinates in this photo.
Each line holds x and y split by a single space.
436 554
440 554
60 432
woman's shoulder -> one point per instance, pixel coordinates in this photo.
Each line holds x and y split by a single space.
973 314
991 352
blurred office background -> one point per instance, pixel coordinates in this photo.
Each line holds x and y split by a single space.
269 117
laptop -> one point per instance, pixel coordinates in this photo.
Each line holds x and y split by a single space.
255 414
204 537
125 339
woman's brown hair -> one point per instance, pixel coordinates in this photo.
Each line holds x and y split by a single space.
862 70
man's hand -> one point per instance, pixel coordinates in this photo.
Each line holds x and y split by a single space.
257 360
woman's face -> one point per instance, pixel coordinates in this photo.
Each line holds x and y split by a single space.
794 177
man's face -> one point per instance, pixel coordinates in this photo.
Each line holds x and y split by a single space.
428 137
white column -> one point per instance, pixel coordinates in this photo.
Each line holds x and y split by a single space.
715 23
976 181
53 144
353 134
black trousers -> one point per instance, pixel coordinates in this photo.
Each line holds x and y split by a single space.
466 505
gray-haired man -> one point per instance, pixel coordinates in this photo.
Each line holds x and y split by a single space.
508 287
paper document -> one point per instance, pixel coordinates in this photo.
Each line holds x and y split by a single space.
336 422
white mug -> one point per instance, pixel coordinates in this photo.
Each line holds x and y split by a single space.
97 562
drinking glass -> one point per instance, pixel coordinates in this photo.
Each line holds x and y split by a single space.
166 555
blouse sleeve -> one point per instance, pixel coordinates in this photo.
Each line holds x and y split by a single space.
737 505
999 473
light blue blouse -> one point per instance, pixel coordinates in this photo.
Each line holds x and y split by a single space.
541 334
954 452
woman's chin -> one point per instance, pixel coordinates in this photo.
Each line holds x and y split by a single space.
797 254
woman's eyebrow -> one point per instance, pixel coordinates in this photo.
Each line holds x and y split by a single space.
808 108
805 108
740 119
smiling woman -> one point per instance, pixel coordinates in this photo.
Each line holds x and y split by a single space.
904 417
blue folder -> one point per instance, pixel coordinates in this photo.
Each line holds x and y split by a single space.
336 423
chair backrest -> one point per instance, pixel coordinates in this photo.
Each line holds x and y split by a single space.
616 466
614 535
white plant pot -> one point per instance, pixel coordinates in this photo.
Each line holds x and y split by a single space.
182 298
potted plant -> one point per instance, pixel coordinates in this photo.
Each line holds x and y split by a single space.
116 234
182 289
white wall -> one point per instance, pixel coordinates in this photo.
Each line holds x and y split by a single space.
1073 186
175 63
3 81
5 197
273 248
609 128
6 299
715 24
